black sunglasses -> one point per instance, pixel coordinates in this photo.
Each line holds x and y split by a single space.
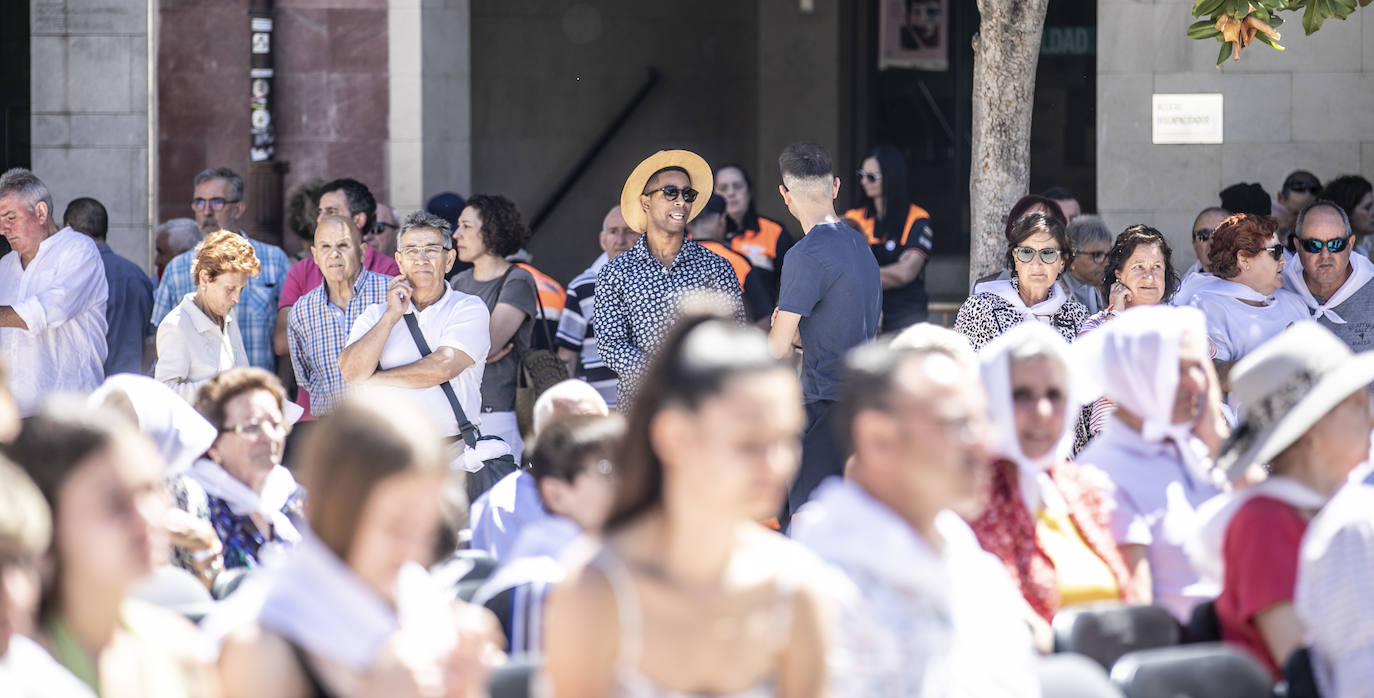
1314 246
1024 255
1275 251
1305 188
1202 234
671 191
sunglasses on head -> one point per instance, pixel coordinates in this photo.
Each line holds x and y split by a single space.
870 177
1314 246
1024 255
671 192
1202 234
1275 251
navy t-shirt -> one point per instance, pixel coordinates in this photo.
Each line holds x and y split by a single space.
831 280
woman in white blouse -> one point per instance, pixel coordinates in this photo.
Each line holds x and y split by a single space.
199 338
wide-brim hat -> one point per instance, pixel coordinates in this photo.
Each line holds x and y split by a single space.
697 171
1284 387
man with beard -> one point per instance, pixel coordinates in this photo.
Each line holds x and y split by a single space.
218 205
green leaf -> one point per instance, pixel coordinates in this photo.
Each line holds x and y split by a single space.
1205 8
1318 11
1276 21
1225 53
1265 38
1203 30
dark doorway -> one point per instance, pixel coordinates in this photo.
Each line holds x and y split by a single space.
14 84
1064 124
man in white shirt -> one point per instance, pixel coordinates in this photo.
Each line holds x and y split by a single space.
52 297
934 613
381 351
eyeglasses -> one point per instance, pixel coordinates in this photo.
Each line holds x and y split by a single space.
870 177
249 430
215 204
380 227
671 191
1096 257
1276 251
415 254
1304 188
1314 246
1024 255
1202 234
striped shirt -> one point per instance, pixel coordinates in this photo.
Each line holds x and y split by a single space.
316 332
256 311
575 332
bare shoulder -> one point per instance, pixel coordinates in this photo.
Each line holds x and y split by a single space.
256 662
582 638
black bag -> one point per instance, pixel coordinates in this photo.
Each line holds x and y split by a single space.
493 469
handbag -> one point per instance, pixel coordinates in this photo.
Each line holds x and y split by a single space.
539 370
493 469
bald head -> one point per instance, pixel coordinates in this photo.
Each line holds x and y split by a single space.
338 249
565 398
616 235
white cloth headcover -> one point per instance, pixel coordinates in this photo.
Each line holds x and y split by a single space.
1042 311
180 433
1036 487
1361 271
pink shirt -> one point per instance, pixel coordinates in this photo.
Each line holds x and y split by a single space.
305 276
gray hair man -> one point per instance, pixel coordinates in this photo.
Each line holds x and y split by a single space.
1332 282
1091 241
173 237
52 298
381 350
218 205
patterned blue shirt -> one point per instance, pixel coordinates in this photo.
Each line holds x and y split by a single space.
316 331
241 538
257 308
638 299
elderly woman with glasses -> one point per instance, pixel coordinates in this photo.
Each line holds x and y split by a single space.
1038 253
239 486
1245 304
200 337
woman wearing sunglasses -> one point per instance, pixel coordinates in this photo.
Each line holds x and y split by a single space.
899 234
1037 254
1245 304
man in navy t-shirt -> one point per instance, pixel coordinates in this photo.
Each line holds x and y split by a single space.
830 302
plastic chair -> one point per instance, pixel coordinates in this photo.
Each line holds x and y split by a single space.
228 581
514 679
1203 625
1210 670
1074 676
1105 632
1298 679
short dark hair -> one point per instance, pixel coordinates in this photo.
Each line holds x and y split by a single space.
648 183
503 230
1299 178
1059 194
1125 246
805 160
570 444
358 196
86 215
1246 198
1032 224
870 373
1346 191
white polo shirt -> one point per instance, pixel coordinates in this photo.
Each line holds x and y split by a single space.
457 320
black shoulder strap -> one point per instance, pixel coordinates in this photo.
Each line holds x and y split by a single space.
465 427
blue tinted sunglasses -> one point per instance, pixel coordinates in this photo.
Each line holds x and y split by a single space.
1314 246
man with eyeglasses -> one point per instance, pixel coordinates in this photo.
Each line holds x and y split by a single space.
382 353
1198 275
640 292
349 199
1333 282
382 236
218 205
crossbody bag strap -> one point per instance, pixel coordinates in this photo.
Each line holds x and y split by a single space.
465 427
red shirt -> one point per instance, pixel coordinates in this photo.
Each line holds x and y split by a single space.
1261 556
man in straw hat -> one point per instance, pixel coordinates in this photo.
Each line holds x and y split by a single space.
639 292
1306 415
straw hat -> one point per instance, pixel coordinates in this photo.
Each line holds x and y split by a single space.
1287 385
697 171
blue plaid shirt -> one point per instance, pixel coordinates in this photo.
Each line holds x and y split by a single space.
257 308
316 331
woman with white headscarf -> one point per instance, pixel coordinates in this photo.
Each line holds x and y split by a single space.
1045 519
1156 448
1308 418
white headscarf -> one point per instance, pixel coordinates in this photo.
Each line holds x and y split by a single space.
1361 271
1036 487
178 430
1042 311
1134 361
241 498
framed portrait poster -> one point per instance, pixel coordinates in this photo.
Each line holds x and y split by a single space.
913 34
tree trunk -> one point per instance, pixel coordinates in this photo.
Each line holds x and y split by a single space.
1006 50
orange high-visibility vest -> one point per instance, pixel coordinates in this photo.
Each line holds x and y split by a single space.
764 241
551 293
736 260
866 224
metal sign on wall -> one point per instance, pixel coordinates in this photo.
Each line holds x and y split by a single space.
1187 118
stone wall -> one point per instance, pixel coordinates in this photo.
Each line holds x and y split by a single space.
1309 107
90 111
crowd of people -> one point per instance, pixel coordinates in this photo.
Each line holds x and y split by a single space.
726 460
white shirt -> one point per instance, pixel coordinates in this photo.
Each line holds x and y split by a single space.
1332 598
924 621
192 348
458 321
1236 328
61 296
1155 501
27 671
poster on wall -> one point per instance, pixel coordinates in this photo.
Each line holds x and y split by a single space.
913 34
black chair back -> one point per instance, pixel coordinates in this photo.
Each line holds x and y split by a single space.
514 678
1203 625
1298 679
1074 676
1105 632
1211 670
